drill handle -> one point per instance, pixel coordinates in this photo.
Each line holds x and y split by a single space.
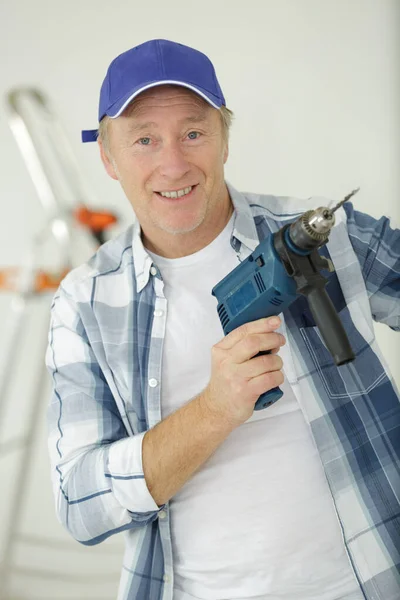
329 324
305 270
269 397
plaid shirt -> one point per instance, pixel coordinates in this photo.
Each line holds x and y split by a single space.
105 350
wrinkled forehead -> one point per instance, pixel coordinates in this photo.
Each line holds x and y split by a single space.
168 96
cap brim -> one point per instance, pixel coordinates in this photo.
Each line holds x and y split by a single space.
91 135
118 107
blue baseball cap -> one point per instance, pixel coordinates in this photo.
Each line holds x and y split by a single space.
156 62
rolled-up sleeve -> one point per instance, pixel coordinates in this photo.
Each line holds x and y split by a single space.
127 478
97 470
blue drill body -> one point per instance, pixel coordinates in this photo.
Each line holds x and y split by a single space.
258 287
283 265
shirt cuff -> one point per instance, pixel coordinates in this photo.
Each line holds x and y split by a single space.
125 470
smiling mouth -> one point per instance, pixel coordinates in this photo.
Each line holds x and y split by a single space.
177 194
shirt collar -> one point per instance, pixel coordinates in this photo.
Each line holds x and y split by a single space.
141 259
244 232
244 229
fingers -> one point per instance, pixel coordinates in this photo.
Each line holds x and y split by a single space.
254 327
259 365
251 345
276 350
239 375
266 382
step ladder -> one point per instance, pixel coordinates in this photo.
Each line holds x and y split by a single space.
41 561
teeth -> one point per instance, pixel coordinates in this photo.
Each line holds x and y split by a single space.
177 193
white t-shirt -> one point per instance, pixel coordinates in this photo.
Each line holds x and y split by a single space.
256 521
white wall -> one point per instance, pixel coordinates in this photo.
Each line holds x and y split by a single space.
315 89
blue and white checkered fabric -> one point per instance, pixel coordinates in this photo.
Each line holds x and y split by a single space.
104 355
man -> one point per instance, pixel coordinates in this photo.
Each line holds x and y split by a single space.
153 428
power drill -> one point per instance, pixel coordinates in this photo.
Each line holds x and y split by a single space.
283 265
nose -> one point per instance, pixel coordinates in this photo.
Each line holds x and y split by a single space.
173 165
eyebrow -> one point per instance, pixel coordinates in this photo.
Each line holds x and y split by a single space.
199 118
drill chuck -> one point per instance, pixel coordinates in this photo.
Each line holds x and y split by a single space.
312 229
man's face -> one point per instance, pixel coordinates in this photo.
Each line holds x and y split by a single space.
170 140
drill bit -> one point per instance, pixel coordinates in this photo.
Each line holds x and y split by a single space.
339 204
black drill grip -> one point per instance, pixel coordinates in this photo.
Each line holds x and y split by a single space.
270 397
329 325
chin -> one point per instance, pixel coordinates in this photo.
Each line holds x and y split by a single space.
177 230
180 226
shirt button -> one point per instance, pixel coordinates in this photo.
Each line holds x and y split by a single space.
158 313
153 382
153 270
162 514
167 578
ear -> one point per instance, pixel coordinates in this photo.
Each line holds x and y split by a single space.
226 152
105 159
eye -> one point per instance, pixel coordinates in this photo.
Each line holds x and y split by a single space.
193 135
144 141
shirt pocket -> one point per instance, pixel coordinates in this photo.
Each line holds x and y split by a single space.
354 379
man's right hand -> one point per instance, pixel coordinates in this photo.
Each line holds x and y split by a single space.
238 375
177 446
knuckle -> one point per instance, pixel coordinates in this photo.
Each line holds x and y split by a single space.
215 351
281 378
270 340
267 360
245 329
274 362
274 379
268 380
218 355
252 343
